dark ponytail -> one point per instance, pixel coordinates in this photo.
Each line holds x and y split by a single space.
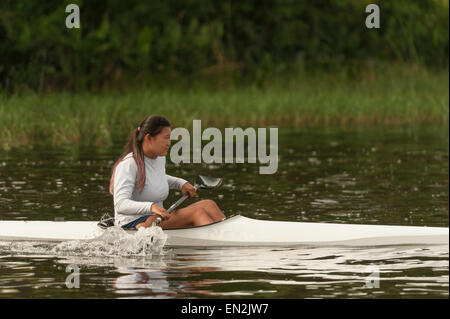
152 125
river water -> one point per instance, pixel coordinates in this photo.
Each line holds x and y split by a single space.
377 175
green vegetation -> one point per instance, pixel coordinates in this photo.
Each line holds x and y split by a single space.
388 95
228 63
128 43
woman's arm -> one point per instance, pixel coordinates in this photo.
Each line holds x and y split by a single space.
124 183
175 182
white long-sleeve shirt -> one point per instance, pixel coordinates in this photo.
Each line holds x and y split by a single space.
129 204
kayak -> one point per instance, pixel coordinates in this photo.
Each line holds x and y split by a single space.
237 230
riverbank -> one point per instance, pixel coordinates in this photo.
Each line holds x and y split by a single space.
394 95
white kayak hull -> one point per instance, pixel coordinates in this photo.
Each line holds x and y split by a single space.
238 230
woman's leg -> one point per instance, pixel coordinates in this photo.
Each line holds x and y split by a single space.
188 216
211 209
200 213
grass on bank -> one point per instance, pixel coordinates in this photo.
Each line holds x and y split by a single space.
394 95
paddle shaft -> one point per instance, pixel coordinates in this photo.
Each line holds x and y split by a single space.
175 205
178 203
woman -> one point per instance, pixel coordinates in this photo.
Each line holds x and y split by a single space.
139 183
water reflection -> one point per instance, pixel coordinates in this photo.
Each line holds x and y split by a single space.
151 283
255 272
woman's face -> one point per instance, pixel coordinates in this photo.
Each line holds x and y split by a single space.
160 143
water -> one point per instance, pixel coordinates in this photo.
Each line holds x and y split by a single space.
374 175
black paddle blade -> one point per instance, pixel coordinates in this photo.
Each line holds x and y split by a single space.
106 221
208 182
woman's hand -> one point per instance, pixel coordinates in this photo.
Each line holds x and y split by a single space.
188 188
160 212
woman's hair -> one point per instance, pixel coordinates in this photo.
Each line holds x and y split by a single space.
152 125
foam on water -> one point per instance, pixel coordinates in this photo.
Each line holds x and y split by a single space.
113 242
117 242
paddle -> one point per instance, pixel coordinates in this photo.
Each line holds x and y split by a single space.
203 182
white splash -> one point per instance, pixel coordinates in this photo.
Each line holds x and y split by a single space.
117 242
114 242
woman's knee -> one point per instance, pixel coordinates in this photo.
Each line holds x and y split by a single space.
200 211
201 214
208 203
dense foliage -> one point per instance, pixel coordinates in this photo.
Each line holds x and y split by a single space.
138 42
